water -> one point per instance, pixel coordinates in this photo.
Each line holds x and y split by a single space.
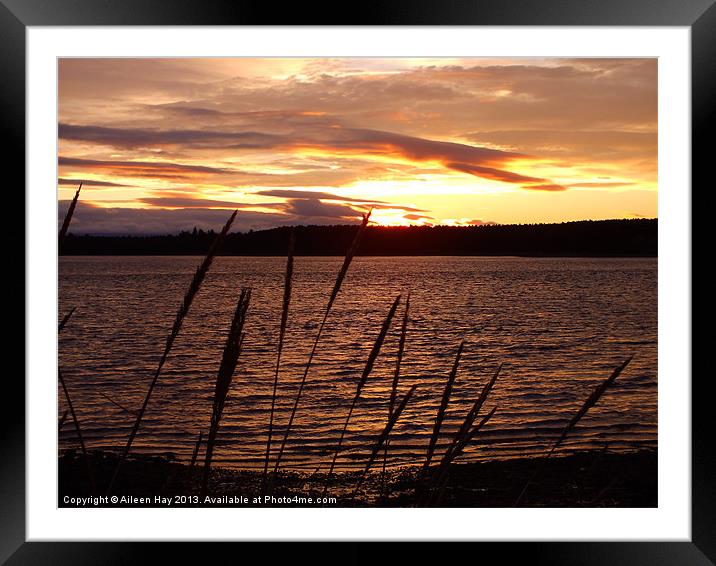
559 326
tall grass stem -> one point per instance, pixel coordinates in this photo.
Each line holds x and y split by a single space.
78 429
281 334
352 250
377 345
383 436
224 377
440 416
194 286
588 404
68 218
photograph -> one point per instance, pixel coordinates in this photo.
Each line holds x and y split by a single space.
386 282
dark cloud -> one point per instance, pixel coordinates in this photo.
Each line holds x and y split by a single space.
299 194
157 169
412 147
188 202
89 219
139 138
314 208
92 219
88 183
417 217
475 160
315 175
495 174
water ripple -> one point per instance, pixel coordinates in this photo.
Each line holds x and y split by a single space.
558 325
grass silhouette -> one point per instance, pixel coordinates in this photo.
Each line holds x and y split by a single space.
435 477
194 286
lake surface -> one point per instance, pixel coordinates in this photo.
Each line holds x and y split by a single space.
560 326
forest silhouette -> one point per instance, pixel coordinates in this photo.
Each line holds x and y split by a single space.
590 238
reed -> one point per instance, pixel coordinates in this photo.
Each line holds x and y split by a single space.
441 477
121 407
194 286
588 404
62 420
396 378
469 420
65 320
463 436
281 335
78 429
399 360
352 250
70 406
68 217
385 467
229 360
470 435
348 259
377 345
383 437
196 450
440 416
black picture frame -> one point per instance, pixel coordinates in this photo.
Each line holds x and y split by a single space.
17 15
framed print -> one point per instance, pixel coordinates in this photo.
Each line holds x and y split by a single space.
421 276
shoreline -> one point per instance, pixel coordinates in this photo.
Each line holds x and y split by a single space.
584 479
599 238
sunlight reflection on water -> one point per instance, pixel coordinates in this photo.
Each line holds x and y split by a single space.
559 326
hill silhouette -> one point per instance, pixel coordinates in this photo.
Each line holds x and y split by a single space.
593 238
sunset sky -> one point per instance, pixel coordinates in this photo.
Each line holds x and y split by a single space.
164 145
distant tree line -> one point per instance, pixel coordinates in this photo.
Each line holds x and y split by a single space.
583 238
